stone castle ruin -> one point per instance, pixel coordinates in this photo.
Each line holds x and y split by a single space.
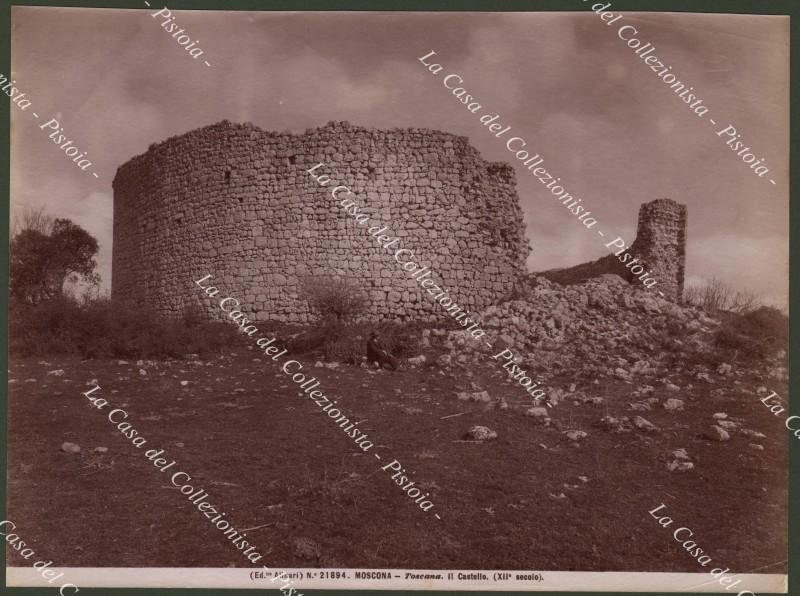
236 202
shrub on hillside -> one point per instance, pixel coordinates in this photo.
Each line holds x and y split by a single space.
714 296
340 342
348 348
104 329
316 336
757 334
333 297
336 336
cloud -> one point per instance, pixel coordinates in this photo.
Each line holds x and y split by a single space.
615 134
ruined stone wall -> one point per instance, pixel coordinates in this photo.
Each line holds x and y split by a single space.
235 201
660 245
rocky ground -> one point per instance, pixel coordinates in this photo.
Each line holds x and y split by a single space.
600 328
567 487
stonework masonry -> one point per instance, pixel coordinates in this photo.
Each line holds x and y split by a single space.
660 245
235 201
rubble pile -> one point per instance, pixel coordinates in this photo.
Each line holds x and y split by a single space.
602 327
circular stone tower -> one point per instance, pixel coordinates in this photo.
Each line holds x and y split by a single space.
236 202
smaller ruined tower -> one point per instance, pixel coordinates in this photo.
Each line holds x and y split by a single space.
660 246
661 242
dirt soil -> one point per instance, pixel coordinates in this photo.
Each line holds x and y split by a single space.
266 456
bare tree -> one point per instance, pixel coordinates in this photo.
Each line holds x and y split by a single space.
36 220
334 297
715 296
743 302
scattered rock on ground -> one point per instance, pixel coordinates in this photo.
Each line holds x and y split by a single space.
717 433
68 447
444 360
595 401
539 413
575 435
616 425
681 454
482 396
724 369
640 406
305 548
753 434
673 405
644 425
703 376
680 461
680 466
622 374
500 403
481 433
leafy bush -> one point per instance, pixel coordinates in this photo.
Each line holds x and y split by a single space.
334 297
757 334
45 254
347 348
317 336
105 329
404 341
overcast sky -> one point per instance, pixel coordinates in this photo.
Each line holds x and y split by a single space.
615 134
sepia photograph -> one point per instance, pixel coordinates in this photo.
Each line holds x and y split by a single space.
466 300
